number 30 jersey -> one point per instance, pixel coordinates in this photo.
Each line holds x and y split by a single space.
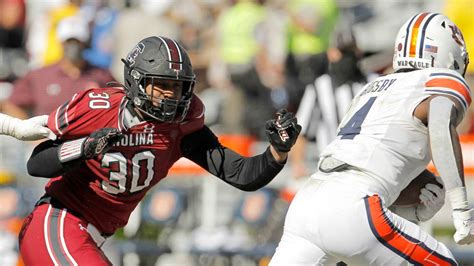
381 136
105 190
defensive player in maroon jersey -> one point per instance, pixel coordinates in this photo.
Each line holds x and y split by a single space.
115 143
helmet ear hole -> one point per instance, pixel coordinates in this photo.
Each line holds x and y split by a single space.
455 65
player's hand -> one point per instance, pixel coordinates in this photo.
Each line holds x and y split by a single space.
432 200
31 129
464 225
283 131
44 132
100 141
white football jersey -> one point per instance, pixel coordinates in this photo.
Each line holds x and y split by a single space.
380 134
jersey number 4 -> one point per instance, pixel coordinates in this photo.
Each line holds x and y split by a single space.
353 127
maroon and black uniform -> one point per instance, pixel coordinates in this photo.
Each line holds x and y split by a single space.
105 190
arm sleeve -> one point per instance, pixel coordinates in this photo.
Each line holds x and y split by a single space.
444 142
245 173
44 161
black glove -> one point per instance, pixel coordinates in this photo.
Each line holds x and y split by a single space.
283 131
99 142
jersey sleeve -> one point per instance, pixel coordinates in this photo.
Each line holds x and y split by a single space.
451 83
87 112
195 118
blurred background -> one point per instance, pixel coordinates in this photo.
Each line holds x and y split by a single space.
251 58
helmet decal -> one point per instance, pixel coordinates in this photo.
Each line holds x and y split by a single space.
423 33
419 23
138 49
414 34
457 35
174 54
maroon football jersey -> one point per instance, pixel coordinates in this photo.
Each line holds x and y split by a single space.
107 189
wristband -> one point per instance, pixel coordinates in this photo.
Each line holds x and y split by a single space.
458 199
71 150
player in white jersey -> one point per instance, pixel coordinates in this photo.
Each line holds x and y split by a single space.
383 143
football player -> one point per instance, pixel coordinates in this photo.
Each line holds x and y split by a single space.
116 143
395 126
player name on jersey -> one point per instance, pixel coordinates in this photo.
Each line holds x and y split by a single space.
138 139
378 86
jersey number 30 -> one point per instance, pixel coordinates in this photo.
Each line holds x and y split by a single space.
119 177
353 127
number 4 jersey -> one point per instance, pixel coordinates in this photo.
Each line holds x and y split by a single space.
107 189
380 134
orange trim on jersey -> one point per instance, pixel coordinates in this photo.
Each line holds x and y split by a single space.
414 34
451 84
413 250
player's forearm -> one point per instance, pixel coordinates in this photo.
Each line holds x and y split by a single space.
444 142
446 150
45 161
246 173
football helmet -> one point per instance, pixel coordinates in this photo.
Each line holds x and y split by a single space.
430 40
155 58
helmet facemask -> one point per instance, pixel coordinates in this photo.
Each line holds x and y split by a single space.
159 107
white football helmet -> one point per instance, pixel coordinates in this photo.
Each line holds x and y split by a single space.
430 40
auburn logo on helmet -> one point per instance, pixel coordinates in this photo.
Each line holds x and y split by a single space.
457 35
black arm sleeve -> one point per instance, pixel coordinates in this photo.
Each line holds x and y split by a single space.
44 161
245 173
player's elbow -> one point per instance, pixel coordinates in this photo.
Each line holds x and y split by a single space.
33 168
38 168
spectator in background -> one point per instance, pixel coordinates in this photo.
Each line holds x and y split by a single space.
101 50
42 90
12 52
12 22
309 30
53 50
239 41
325 103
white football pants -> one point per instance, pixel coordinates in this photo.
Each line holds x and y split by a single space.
330 221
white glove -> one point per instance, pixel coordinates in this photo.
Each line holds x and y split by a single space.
464 225
432 200
31 129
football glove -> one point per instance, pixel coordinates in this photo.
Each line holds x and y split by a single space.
283 131
464 225
99 142
432 200
462 216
